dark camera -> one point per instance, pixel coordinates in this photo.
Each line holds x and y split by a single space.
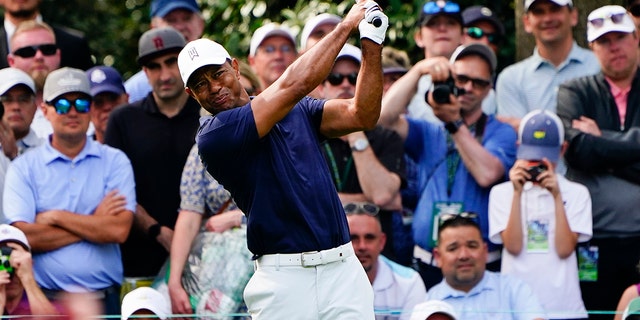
5 264
442 90
536 170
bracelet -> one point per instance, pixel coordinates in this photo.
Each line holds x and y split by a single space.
154 231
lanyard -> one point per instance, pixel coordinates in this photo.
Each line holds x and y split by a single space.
453 157
334 167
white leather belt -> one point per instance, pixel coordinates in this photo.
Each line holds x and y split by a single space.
427 257
307 259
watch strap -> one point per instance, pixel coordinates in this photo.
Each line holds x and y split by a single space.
453 126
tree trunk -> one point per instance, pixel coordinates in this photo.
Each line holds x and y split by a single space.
525 42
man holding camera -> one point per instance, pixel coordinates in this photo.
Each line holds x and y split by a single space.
19 292
540 216
460 162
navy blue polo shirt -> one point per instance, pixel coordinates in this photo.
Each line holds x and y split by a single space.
280 181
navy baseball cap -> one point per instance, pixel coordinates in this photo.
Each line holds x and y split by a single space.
105 79
475 14
432 9
160 8
540 136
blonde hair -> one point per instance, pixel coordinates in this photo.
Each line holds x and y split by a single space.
30 25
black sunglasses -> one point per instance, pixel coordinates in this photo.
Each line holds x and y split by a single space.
337 78
361 207
477 33
615 18
477 83
635 10
63 105
30 51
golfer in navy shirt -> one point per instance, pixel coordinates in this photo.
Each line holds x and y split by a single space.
266 151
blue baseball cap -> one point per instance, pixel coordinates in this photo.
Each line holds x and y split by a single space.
105 79
540 135
160 8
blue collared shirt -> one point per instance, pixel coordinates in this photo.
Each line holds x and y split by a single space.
532 84
44 179
427 145
496 296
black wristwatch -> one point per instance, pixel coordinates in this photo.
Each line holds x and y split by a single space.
154 231
453 126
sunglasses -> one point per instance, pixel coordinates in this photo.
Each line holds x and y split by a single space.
337 78
63 105
455 216
30 51
477 33
434 7
477 83
615 18
635 10
361 207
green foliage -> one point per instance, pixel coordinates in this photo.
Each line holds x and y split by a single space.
113 27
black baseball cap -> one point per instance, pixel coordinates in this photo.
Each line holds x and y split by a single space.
474 14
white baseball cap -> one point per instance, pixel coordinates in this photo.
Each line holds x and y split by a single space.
269 30
145 298
12 77
608 19
350 51
199 53
425 309
13 234
562 3
313 23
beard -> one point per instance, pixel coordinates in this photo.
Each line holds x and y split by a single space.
23 13
39 78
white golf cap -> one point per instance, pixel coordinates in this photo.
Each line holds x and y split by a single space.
607 15
199 53
269 30
562 3
145 298
424 310
12 234
12 77
313 23
349 51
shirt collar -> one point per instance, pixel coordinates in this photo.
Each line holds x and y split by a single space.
575 55
90 149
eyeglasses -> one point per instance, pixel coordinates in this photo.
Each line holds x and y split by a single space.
635 10
615 18
337 78
21 99
477 33
361 207
433 7
30 51
455 216
477 83
63 105
285 48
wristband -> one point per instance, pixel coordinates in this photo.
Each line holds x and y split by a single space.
452 127
154 231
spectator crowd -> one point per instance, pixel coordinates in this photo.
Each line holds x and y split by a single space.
318 179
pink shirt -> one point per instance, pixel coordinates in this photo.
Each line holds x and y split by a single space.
620 96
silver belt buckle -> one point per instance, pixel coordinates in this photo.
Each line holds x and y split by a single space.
311 259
